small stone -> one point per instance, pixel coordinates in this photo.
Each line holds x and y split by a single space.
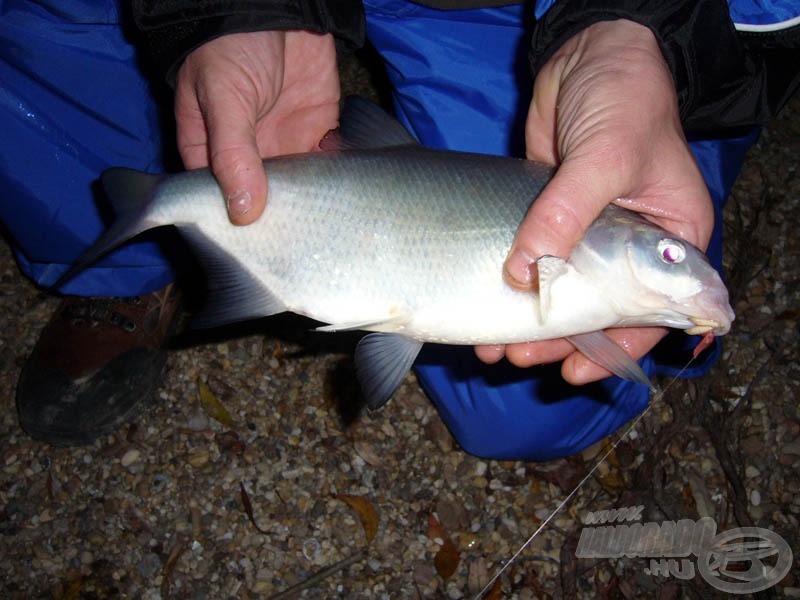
198 458
792 447
480 482
424 575
149 566
751 472
198 421
131 456
311 549
755 497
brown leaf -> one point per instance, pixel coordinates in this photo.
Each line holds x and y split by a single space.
435 528
73 592
566 474
366 512
229 442
212 406
174 557
611 482
248 508
447 558
496 592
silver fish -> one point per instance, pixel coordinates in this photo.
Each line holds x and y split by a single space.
387 236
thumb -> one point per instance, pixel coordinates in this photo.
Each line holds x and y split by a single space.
558 219
235 160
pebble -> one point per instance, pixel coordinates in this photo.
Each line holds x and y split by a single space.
131 456
198 421
149 566
751 472
75 515
792 447
198 458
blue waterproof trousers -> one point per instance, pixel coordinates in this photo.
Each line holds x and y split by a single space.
74 101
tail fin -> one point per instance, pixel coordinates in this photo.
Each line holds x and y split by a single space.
130 193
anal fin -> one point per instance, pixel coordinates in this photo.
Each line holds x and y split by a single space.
382 362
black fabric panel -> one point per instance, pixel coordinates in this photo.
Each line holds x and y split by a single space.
171 29
722 82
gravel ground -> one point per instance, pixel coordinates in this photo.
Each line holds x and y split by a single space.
184 503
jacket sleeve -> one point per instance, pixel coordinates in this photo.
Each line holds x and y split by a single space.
171 29
725 79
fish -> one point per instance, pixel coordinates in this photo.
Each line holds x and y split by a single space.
376 232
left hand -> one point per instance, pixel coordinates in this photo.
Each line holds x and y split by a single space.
605 110
247 96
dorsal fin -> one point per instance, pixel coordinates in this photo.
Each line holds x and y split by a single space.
365 125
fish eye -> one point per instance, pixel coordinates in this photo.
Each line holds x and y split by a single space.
671 251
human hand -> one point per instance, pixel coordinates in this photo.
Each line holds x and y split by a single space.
245 96
604 109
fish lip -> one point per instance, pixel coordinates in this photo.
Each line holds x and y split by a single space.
702 326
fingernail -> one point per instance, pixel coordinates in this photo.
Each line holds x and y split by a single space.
518 268
239 202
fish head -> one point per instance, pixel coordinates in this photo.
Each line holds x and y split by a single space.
653 276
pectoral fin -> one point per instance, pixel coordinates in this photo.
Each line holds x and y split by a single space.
233 294
382 362
549 269
600 348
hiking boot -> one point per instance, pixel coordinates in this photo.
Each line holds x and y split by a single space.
94 362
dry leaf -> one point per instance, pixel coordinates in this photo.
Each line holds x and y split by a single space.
229 442
496 591
611 482
447 558
435 528
248 508
212 406
366 512
172 560
367 453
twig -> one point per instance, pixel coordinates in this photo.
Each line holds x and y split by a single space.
320 575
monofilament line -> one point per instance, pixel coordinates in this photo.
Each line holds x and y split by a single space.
658 395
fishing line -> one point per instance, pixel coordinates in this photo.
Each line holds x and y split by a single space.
658 395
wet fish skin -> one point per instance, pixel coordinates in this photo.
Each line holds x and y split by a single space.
410 242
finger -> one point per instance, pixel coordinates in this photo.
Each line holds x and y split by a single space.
234 156
558 219
538 353
490 354
579 370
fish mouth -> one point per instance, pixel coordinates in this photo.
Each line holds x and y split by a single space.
702 326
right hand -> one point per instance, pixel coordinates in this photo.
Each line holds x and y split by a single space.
604 109
247 96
